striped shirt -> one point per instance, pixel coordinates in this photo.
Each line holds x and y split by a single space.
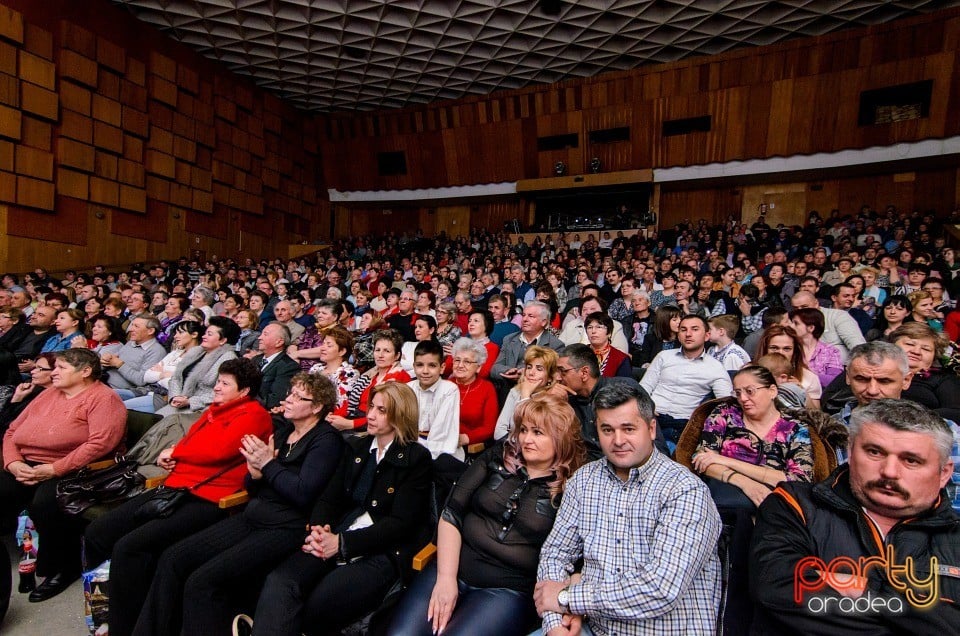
649 549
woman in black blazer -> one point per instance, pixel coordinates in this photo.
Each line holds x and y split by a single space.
364 531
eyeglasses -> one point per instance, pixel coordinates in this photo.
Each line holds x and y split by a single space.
749 391
39 368
564 370
506 519
293 397
462 361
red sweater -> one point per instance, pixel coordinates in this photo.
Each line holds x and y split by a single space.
478 410
213 443
68 433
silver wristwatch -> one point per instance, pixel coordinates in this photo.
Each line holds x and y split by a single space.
563 600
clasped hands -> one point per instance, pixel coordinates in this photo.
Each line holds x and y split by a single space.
321 542
31 475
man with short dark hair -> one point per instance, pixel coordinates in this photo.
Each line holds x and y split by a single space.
580 376
875 547
645 529
29 347
502 326
678 380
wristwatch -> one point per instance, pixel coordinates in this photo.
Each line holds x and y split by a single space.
563 600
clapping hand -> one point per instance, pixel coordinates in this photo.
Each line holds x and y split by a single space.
257 453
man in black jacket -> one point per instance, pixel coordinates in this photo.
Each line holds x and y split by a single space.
875 548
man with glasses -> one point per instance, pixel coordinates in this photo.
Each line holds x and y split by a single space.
405 319
464 308
580 376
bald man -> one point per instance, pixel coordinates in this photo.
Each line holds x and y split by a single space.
841 330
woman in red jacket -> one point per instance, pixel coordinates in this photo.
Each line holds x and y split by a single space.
208 464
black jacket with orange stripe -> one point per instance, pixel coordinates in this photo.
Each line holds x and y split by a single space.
800 523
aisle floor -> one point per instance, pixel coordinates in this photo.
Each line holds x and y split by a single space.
59 616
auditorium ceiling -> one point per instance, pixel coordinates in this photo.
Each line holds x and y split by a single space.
342 55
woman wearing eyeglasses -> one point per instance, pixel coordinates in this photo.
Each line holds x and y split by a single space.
478 398
364 530
750 445
203 575
490 532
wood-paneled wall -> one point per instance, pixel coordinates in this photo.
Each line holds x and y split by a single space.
790 202
799 97
118 145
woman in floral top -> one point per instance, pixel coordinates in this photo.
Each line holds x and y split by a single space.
750 444
334 350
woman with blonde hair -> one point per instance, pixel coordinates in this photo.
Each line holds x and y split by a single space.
539 374
490 532
364 529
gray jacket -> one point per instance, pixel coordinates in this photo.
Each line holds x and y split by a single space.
198 386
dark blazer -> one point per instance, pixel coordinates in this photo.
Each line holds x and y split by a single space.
15 336
512 351
398 502
276 379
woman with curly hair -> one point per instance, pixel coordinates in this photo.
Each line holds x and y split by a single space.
490 532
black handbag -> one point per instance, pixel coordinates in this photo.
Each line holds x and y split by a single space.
165 501
85 488
161 505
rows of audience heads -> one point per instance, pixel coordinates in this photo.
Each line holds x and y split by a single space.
523 393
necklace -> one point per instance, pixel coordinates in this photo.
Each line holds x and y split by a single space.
465 389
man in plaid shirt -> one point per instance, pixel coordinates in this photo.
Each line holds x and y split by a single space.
646 529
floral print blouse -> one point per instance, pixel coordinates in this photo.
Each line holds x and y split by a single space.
785 448
343 380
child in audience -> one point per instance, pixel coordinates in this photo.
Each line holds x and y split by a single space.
790 394
727 352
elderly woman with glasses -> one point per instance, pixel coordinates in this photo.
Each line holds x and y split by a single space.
750 445
199 578
490 532
478 398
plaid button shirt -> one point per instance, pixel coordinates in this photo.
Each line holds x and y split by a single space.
649 546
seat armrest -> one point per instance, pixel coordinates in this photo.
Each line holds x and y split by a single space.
154 482
100 465
423 558
476 449
234 500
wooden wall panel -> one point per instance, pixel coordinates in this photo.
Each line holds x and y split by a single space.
797 97
110 130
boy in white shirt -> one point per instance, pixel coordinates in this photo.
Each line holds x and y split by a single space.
727 352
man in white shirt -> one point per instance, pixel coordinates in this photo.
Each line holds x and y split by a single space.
678 380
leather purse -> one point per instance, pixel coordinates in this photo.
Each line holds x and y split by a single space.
85 488
165 501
